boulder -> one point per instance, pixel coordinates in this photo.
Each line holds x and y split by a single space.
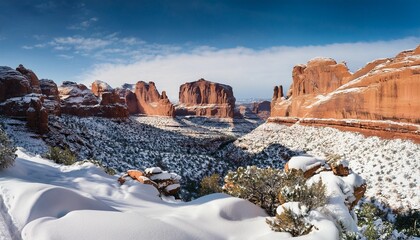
385 89
166 183
150 102
205 98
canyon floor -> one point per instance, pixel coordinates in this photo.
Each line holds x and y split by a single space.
192 147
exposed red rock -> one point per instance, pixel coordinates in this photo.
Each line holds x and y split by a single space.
205 98
29 108
129 98
99 87
52 100
262 109
31 76
385 89
12 84
149 101
77 99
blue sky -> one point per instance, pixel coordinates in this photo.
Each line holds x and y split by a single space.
251 45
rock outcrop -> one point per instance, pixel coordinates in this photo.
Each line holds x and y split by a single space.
262 109
77 99
20 98
12 84
385 89
352 185
31 76
166 183
52 100
205 98
99 87
149 101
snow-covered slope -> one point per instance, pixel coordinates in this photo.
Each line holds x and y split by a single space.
391 168
50 201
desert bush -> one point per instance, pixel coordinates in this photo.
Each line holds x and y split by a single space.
7 151
289 221
61 156
373 223
409 223
295 189
258 185
210 184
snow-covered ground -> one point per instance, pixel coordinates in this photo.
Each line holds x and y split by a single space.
391 168
50 201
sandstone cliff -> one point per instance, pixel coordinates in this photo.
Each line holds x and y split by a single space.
205 98
385 89
149 101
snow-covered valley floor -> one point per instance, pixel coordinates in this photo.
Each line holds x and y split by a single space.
43 200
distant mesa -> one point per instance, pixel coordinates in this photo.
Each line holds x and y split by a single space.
205 98
324 92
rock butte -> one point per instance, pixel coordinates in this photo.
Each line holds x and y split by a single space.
325 93
205 98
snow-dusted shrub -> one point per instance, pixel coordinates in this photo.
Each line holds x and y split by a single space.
373 223
107 170
210 184
291 219
61 156
7 151
295 189
258 185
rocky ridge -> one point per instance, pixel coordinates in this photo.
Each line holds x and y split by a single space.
383 90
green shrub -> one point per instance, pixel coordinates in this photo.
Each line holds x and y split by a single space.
61 156
295 189
7 151
210 184
290 222
257 185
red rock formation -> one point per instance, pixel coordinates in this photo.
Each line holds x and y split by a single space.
263 109
31 76
129 98
150 102
12 84
17 99
385 89
77 99
99 87
52 100
205 98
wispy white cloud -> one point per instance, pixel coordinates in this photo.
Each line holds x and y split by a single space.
80 43
64 56
251 73
83 25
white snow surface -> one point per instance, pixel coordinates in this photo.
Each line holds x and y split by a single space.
391 168
49 201
305 162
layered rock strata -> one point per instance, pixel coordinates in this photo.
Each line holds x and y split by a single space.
205 98
385 89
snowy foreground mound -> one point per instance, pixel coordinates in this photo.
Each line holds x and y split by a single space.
42 200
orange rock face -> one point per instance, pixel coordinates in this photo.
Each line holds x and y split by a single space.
149 101
205 98
385 89
99 87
